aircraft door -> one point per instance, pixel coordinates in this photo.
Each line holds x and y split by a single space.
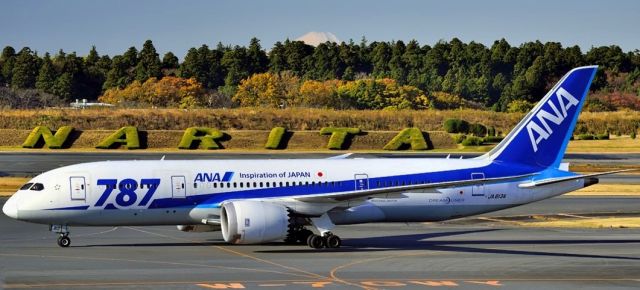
477 189
362 181
78 188
178 186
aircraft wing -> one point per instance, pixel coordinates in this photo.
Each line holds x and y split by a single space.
567 178
344 196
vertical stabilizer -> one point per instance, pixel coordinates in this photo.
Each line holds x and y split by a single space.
541 138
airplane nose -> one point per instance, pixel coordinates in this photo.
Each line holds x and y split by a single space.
10 208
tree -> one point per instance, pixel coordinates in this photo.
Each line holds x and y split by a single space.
130 57
117 77
520 106
298 57
397 67
7 61
170 61
320 94
166 92
257 58
236 63
268 89
381 55
412 60
93 57
277 58
149 64
204 65
7 53
46 75
63 86
25 70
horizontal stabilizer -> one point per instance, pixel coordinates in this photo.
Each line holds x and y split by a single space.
567 178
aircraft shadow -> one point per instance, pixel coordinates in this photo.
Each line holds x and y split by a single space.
147 245
422 242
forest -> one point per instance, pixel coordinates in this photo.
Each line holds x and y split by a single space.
349 75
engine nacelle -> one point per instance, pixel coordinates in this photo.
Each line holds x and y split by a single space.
198 228
253 222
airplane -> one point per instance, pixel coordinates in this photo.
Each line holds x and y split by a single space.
260 201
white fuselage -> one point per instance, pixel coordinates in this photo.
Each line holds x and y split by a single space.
186 192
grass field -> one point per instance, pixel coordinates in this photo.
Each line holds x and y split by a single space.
254 140
621 144
9 185
620 122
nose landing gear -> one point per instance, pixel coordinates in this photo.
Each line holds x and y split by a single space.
64 241
63 230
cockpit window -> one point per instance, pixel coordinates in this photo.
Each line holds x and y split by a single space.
37 187
26 186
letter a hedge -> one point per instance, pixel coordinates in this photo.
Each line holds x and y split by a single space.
408 136
52 141
127 136
204 137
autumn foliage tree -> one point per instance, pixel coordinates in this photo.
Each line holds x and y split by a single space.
166 92
320 94
268 90
382 94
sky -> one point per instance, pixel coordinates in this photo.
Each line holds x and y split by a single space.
113 26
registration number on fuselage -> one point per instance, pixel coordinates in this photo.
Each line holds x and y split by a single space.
497 196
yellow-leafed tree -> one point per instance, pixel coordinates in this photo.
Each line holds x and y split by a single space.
268 90
168 91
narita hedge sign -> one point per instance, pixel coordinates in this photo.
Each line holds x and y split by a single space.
210 139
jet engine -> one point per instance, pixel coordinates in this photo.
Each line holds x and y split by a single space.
254 222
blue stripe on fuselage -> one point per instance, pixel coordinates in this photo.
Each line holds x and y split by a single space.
213 200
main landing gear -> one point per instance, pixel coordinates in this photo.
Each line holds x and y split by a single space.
62 230
328 240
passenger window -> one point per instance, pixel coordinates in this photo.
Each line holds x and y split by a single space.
26 186
261 184
37 187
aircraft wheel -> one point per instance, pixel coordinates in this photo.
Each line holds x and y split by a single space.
64 241
333 242
315 241
304 235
